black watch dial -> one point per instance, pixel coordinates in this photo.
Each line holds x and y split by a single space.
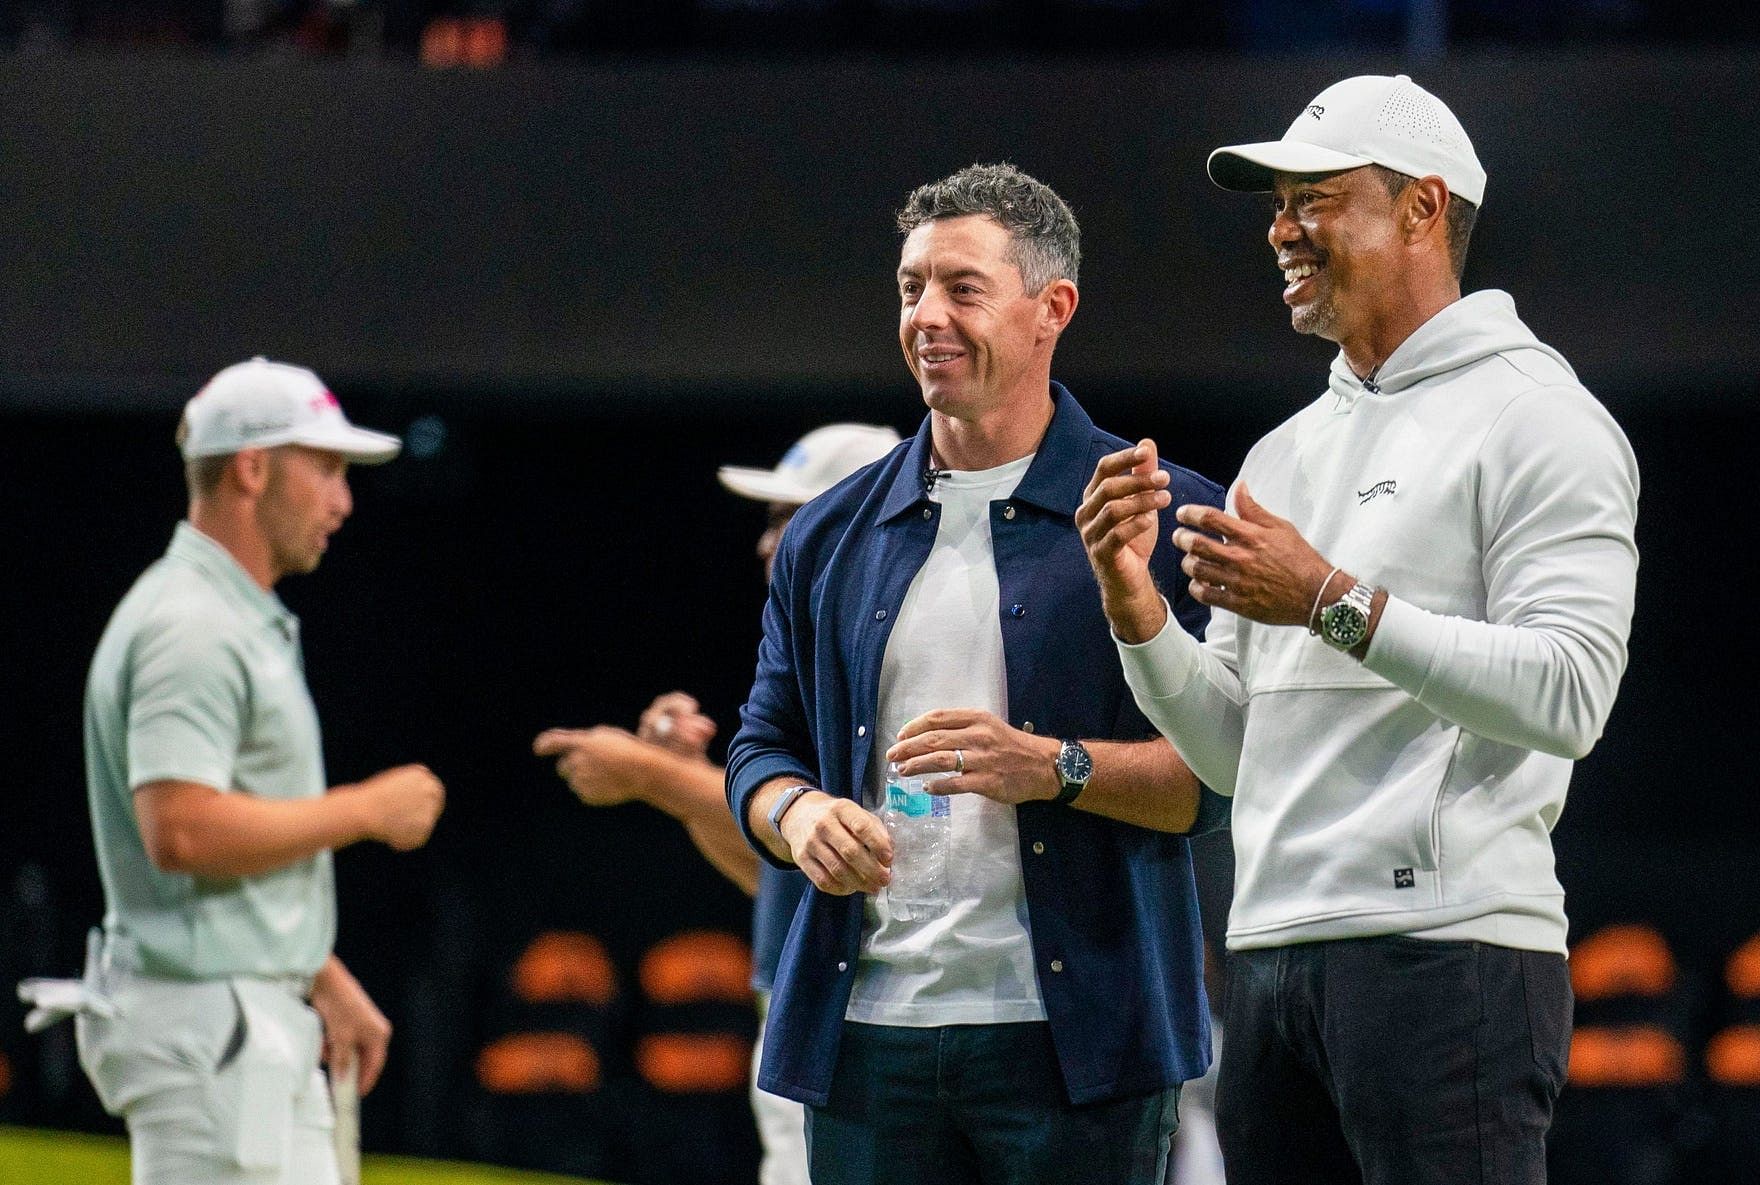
1344 623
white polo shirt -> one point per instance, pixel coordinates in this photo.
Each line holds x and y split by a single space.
199 678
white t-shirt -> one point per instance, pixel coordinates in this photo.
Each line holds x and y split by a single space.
974 963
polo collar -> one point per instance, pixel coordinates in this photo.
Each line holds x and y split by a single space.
213 561
1054 481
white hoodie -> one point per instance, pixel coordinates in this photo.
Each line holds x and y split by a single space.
1415 792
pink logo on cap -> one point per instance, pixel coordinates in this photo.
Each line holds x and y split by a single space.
324 400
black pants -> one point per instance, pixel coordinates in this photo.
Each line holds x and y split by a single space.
1391 1061
976 1105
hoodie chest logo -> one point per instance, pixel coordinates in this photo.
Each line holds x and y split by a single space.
1389 487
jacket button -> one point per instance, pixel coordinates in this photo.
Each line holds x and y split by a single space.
1026 726
927 513
1008 512
1039 847
841 966
1017 610
1057 964
879 615
861 730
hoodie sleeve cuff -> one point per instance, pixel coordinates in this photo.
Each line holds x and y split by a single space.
1163 666
1405 644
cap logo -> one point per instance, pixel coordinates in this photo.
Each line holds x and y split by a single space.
323 401
262 427
1316 110
794 458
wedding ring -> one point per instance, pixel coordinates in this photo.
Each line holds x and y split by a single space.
959 761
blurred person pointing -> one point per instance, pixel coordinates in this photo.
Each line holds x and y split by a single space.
665 764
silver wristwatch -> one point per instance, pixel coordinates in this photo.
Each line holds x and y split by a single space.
1074 768
1345 622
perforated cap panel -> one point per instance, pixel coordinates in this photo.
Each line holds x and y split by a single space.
1411 114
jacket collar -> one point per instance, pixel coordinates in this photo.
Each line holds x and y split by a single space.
1054 481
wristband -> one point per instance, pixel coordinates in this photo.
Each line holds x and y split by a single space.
789 797
1314 613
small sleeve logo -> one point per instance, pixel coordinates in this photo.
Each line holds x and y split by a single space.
1403 878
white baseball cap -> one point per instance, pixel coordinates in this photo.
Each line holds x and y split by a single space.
261 404
1367 120
815 463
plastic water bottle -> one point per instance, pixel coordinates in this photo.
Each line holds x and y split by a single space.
920 824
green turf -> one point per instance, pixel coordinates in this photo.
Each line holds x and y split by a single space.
60 1158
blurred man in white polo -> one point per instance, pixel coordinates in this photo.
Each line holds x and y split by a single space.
212 818
666 763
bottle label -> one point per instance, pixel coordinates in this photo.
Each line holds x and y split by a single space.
906 796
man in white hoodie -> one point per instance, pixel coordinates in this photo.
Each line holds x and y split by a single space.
1422 589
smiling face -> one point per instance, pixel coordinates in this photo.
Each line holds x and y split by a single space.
972 335
304 502
1338 241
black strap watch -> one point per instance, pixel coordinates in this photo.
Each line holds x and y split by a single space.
1074 768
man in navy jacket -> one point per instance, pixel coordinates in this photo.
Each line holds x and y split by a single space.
936 611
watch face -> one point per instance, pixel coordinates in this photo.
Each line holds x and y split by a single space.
1344 623
1074 764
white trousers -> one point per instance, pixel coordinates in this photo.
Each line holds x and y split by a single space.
782 1129
218 1080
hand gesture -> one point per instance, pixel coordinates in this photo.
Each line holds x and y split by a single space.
354 1028
985 755
403 805
675 721
1251 563
603 765
1119 520
842 848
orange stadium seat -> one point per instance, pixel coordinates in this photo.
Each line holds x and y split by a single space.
1626 1055
698 966
1628 1082
546 1043
1732 1066
565 966
1733 1056
538 1063
701 982
1629 960
1632 962
694 1063
475 42
1742 972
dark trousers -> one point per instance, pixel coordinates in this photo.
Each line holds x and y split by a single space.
1391 1061
976 1105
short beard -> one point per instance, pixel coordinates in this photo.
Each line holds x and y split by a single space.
1319 318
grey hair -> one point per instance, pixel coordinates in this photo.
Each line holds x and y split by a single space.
1457 223
1044 241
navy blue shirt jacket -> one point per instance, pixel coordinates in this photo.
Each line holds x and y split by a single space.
1111 908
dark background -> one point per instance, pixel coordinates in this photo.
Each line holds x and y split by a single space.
578 287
